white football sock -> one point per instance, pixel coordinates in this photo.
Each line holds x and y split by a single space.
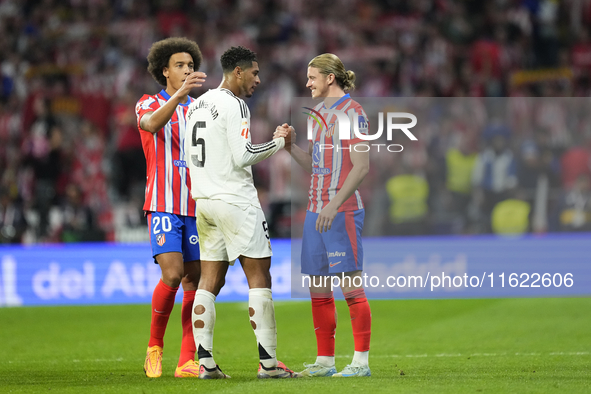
262 319
203 318
361 359
325 361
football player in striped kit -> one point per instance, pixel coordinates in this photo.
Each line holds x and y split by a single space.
169 208
331 242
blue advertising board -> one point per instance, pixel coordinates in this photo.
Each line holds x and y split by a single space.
483 266
103 273
411 267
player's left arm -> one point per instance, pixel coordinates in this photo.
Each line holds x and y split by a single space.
360 161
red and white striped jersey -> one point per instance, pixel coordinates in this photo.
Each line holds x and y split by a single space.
331 166
168 183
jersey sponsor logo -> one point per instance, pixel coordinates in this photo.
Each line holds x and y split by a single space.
321 171
337 254
193 239
180 163
160 239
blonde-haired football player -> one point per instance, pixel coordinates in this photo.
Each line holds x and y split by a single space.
331 243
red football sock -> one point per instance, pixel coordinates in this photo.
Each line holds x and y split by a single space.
325 323
162 304
188 348
360 319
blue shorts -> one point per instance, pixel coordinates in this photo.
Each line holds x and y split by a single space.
336 250
173 233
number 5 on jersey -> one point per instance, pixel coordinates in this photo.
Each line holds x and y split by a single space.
198 159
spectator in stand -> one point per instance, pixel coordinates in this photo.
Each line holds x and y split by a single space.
575 211
87 171
408 194
459 164
45 157
12 218
280 195
129 168
576 161
495 173
72 220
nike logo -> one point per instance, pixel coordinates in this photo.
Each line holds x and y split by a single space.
174 122
317 328
333 264
158 311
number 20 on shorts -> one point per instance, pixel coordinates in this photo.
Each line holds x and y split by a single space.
166 225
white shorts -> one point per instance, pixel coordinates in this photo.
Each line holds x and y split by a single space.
227 231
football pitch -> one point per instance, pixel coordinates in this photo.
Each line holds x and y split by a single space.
418 346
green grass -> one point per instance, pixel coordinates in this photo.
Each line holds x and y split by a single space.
442 346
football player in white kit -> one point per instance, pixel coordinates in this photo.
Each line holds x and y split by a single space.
230 221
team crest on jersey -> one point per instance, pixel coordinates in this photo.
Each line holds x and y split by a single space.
160 239
330 130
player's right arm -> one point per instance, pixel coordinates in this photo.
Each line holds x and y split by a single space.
303 158
154 121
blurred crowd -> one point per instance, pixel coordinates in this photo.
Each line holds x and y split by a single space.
71 163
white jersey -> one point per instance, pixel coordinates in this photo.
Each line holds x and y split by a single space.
220 151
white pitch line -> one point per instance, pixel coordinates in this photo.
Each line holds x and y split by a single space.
473 355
